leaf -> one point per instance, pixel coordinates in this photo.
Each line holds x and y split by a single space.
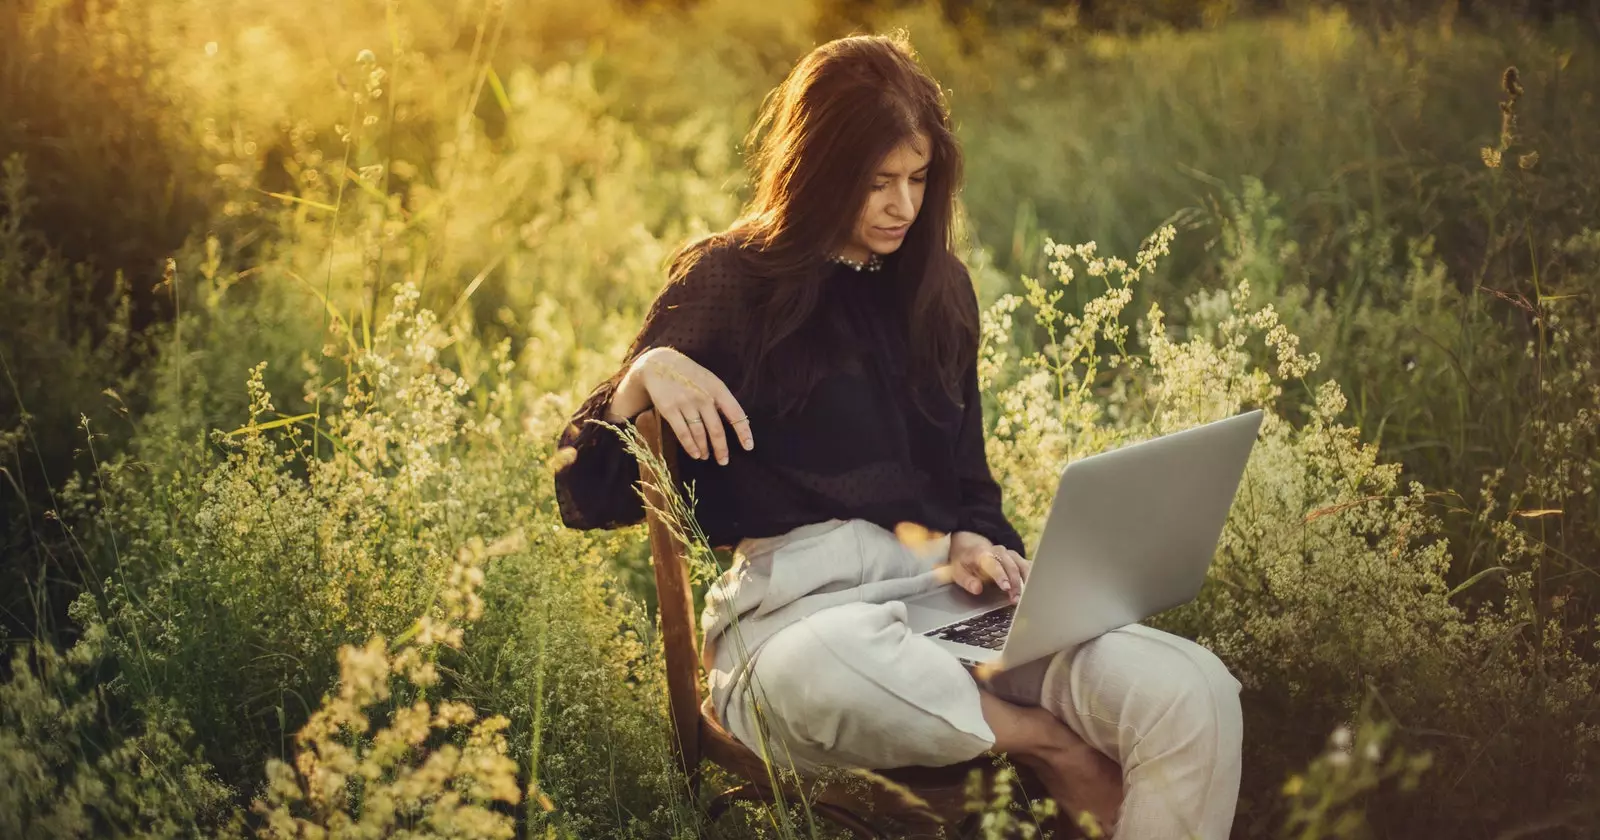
271 424
499 92
1343 506
1535 514
306 201
1475 578
355 178
349 337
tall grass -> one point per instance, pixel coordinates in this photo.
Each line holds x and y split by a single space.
422 255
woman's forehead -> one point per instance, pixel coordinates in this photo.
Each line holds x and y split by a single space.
912 154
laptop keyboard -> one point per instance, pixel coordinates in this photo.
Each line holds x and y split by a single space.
985 631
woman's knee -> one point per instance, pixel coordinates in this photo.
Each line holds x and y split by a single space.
1211 669
847 690
1166 678
1198 692
803 682
791 676
1222 690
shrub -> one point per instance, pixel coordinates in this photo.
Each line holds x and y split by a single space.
75 764
1330 582
52 374
393 782
271 557
115 172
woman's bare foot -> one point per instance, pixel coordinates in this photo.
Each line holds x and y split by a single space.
1079 777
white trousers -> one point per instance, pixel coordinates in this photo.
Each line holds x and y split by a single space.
811 626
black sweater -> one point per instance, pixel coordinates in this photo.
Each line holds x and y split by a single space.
857 449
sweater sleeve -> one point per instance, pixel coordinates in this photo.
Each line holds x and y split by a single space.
981 511
695 314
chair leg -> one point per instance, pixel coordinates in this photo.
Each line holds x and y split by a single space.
758 793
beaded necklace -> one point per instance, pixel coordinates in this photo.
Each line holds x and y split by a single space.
873 263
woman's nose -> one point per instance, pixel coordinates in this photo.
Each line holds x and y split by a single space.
900 201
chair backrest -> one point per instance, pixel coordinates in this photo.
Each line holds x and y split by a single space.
675 600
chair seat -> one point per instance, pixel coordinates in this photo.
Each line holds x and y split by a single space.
936 794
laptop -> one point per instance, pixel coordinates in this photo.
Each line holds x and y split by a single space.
1131 533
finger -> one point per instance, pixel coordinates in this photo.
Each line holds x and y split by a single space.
661 382
961 576
680 427
995 569
1009 560
693 415
681 395
703 421
1024 565
713 428
712 424
731 409
972 582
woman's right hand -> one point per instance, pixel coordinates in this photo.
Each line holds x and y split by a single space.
691 399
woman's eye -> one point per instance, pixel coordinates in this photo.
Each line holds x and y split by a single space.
879 187
920 179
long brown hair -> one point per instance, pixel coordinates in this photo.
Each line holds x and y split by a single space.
817 144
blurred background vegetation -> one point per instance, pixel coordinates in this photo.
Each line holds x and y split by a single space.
193 189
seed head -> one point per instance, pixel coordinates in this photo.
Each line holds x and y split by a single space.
1511 83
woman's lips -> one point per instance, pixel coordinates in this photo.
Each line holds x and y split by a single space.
894 232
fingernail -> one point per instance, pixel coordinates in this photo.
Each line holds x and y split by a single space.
748 444
1006 585
723 460
974 588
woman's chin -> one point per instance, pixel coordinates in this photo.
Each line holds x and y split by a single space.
884 249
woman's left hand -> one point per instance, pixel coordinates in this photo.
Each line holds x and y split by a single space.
974 560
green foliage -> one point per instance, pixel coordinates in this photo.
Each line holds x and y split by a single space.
73 766
572 661
91 108
52 375
998 809
1332 577
275 557
1327 799
394 781
367 371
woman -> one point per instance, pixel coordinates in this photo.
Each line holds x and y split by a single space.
833 322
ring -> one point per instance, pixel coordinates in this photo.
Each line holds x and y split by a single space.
743 419
694 420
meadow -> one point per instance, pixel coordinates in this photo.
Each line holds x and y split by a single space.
297 298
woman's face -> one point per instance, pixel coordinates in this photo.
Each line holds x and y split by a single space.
892 202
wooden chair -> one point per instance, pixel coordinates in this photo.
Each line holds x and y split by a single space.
699 735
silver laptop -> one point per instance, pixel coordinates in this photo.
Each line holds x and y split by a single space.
1131 533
